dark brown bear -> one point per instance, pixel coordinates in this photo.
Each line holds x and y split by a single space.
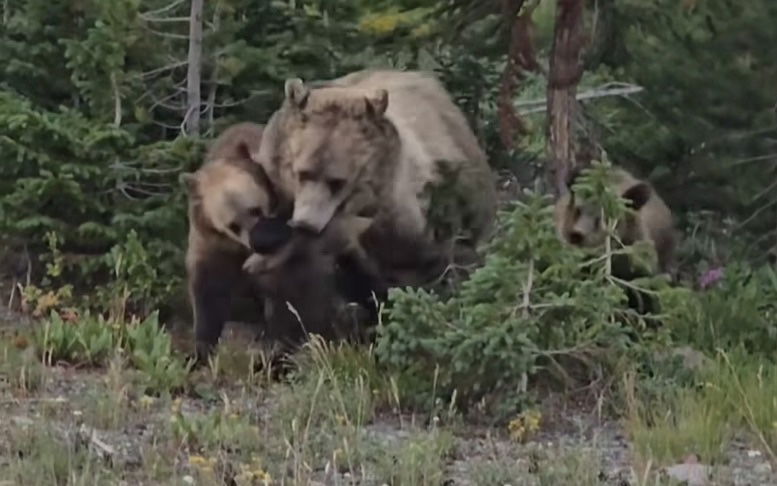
234 215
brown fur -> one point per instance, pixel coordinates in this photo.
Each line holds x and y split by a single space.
214 254
342 236
369 144
228 196
306 283
578 223
229 193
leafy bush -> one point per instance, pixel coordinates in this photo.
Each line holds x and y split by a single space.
92 340
151 352
224 428
59 185
535 305
738 310
108 209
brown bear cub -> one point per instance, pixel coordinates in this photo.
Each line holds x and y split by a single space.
234 214
579 223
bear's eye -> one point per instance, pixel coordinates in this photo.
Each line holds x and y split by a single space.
305 175
234 227
256 212
578 212
335 185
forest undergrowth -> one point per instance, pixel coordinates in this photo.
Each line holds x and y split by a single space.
533 369
530 369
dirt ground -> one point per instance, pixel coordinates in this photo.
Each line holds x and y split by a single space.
575 445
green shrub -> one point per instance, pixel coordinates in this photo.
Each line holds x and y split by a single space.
110 208
737 311
151 352
92 340
535 305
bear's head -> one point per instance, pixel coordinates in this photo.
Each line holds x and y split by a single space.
333 138
579 221
231 199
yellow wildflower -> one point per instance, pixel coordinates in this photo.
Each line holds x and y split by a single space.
197 461
524 425
380 24
422 30
146 401
176 405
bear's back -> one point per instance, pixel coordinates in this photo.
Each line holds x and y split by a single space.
431 129
423 112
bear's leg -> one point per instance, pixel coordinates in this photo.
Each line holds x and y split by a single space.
360 285
302 296
212 281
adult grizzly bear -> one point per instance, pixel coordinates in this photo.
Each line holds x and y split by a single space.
382 144
236 220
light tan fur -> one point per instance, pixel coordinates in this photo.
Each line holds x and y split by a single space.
577 222
224 190
379 133
228 194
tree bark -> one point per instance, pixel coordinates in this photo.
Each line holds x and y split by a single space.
191 122
520 58
214 78
116 100
566 69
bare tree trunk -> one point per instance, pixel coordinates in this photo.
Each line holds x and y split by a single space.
210 108
116 100
566 69
520 58
211 103
191 120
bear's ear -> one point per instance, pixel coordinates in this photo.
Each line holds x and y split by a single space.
638 195
377 102
189 181
244 151
296 92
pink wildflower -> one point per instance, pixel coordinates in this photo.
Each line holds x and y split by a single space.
710 277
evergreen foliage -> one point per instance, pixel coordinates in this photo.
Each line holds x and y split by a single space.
93 96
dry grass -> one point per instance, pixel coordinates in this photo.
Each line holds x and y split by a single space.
326 423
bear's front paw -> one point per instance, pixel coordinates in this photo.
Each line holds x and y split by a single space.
256 264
